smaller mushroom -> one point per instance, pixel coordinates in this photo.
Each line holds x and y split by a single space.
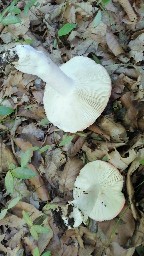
97 191
76 93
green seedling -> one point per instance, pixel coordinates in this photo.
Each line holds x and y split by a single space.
11 204
35 230
23 171
66 140
11 14
66 29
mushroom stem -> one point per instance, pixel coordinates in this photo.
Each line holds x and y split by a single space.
55 77
38 63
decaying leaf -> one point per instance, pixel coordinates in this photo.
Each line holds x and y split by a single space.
6 157
99 149
137 48
113 44
120 229
74 149
44 239
130 190
132 111
128 9
69 174
120 162
116 131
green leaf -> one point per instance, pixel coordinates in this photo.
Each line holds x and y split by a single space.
3 213
43 122
27 155
13 202
97 19
105 2
15 10
142 162
40 229
23 173
66 140
96 59
43 149
10 19
36 252
28 6
34 233
27 218
9 182
4 111
66 29
48 253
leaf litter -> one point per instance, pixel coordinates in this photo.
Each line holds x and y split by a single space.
111 33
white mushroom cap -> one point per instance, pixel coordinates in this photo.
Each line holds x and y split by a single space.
76 93
97 191
85 103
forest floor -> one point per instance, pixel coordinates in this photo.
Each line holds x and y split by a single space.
112 34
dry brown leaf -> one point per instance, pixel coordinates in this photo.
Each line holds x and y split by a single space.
118 87
74 149
132 111
23 145
70 14
98 149
128 9
21 28
31 129
22 206
130 190
121 162
88 236
87 251
69 174
137 48
16 238
44 239
94 128
119 230
12 221
53 161
29 244
84 8
138 239
117 250
35 112
116 131
38 95
6 157
113 44
39 185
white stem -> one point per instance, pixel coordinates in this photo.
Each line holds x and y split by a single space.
38 63
55 77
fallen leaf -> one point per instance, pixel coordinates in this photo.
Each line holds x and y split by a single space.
120 162
132 111
116 131
120 229
137 48
6 157
113 44
69 174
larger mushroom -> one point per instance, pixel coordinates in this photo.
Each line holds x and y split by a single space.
97 192
76 93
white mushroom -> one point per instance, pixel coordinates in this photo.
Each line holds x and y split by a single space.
97 191
76 92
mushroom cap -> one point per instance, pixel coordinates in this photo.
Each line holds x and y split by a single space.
97 192
85 103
